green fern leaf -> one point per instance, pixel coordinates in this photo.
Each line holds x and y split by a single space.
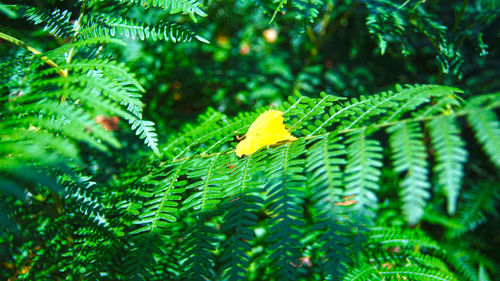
451 156
309 109
141 259
362 173
209 182
191 7
409 157
284 188
56 22
102 25
146 130
162 201
324 161
487 130
198 247
241 217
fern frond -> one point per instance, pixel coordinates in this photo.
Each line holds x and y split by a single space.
141 257
409 272
198 247
487 129
379 109
393 236
81 192
209 182
187 142
410 157
285 185
32 146
477 203
162 201
466 260
146 130
56 22
80 44
362 174
102 25
324 162
333 245
308 108
190 7
417 273
116 71
400 257
123 94
405 99
307 11
241 218
451 156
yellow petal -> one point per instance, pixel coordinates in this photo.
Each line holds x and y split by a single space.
268 129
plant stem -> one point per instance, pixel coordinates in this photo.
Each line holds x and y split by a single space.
459 18
20 43
71 53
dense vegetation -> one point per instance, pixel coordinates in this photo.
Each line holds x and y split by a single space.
119 121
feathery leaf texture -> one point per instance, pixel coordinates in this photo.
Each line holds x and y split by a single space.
285 185
162 201
324 162
102 25
191 7
391 254
56 22
487 129
241 218
209 179
330 112
197 213
362 172
451 156
198 247
410 157
141 259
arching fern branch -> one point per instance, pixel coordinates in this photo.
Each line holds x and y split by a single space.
102 25
324 162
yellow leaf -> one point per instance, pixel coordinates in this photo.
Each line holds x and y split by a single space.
266 130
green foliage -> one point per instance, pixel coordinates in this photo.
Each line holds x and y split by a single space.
363 172
409 157
450 155
382 182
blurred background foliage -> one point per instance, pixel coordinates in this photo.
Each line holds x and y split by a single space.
254 59
346 48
